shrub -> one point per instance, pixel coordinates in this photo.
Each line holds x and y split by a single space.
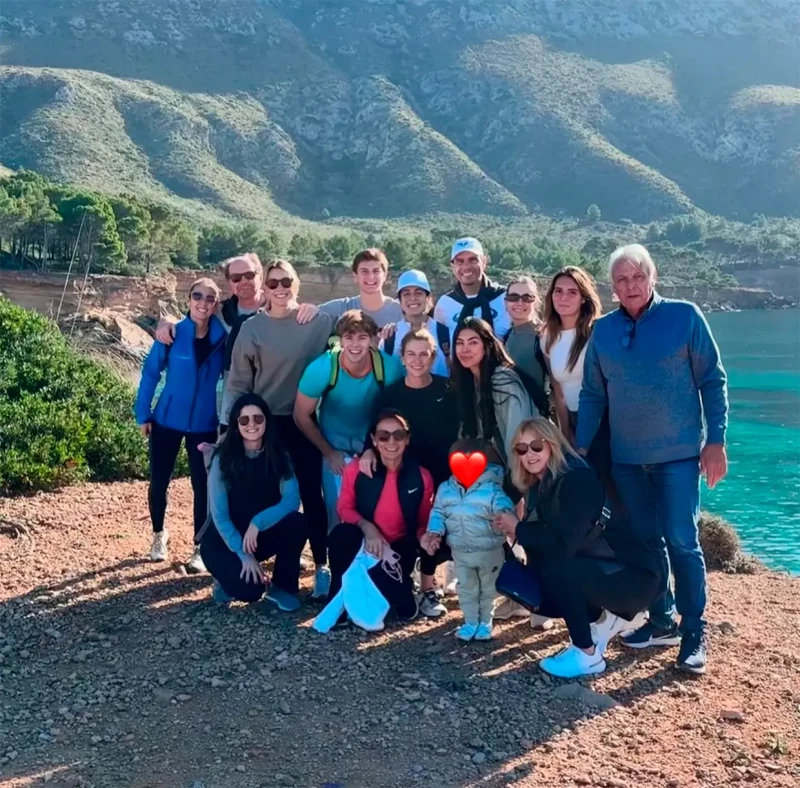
63 418
722 548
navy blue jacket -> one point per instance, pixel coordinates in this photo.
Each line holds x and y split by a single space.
188 401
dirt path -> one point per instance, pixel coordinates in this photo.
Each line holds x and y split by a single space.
116 672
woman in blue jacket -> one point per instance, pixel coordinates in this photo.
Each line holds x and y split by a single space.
186 409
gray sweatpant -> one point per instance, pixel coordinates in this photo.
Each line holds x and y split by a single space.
476 573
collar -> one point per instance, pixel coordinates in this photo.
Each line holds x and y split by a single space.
654 301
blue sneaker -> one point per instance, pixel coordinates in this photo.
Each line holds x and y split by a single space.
219 596
650 635
285 601
693 652
466 631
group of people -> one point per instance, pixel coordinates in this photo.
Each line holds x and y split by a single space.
335 425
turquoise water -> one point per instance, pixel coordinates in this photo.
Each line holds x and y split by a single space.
761 495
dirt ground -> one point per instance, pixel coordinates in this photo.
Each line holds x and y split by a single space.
117 672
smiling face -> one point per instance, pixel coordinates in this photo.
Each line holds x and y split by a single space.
202 303
391 438
632 285
469 348
414 301
521 301
245 279
356 347
534 452
252 423
370 277
468 268
281 287
567 298
418 358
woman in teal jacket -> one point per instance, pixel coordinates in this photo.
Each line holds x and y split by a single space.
186 409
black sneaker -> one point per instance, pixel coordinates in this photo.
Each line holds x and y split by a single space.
693 652
650 635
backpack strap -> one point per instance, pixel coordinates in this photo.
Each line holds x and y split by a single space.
333 378
443 337
388 345
377 368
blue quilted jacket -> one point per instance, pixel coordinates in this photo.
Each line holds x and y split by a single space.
464 515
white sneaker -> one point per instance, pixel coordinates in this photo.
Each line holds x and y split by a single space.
158 552
322 583
195 565
639 620
541 622
607 627
430 606
508 608
573 662
450 579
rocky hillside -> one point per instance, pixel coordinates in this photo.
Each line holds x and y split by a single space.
263 108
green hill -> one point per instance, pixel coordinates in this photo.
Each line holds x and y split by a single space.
283 110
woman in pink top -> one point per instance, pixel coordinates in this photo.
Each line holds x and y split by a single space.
389 509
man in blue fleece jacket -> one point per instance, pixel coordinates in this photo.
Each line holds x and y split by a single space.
654 365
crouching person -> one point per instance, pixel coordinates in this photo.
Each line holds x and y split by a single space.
254 500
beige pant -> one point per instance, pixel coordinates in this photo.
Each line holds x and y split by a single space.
476 573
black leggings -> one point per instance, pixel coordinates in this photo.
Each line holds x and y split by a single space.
284 540
307 463
599 456
164 447
578 589
343 546
428 563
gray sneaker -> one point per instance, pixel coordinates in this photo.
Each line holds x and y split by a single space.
195 565
219 596
282 599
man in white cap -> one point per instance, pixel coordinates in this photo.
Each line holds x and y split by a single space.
473 296
414 293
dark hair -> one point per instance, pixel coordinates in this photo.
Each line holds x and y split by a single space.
231 450
371 255
389 413
355 321
495 356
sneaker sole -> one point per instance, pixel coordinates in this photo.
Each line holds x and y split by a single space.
660 643
280 605
464 639
194 570
433 615
483 639
684 668
600 667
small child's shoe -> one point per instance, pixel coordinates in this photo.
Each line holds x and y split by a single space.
483 632
466 631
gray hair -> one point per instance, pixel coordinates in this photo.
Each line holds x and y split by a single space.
635 254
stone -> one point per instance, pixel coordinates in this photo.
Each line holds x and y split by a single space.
479 758
577 692
732 715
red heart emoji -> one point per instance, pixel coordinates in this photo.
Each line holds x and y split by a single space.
467 467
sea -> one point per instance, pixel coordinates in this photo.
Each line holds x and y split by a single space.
761 494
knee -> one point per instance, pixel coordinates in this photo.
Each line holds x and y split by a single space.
248 592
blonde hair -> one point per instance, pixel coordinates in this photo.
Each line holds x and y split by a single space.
421 335
560 450
524 279
205 282
286 267
251 258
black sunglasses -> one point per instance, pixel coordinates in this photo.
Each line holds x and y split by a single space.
272 284
514 298
382 436
523 448
258 419
209 299
248 275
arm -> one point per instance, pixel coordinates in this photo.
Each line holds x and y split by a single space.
242 372
438 517
594 398
335 308
304 409
501 503
154 365
218 502
290 502
426 504
710 378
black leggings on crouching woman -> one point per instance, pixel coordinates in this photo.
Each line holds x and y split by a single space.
578 590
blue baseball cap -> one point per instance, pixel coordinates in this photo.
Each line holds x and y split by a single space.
413 279
466 245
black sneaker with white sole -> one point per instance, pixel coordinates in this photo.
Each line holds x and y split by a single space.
649 635
693 653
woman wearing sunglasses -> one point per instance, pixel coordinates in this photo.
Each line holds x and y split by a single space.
522 339
593 571
269 357
254 500
386 511
186 409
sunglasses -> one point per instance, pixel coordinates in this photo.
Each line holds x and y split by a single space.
272 284
382 436
248 275
209 299
514 298
535 446
257 418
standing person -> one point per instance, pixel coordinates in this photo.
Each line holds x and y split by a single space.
654 364
254 507
390 508
490 395
414 293
473 294
186 410
370 270
428 402
269 357
341 386
522 339
593 571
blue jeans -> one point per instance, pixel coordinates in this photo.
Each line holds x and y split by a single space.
663 502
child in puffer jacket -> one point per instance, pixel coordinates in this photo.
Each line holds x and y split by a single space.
463 516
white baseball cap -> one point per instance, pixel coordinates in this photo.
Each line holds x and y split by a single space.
466 245
413 279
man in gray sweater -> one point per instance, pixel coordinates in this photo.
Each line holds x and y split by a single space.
654 365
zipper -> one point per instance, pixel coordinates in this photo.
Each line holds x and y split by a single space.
197 379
